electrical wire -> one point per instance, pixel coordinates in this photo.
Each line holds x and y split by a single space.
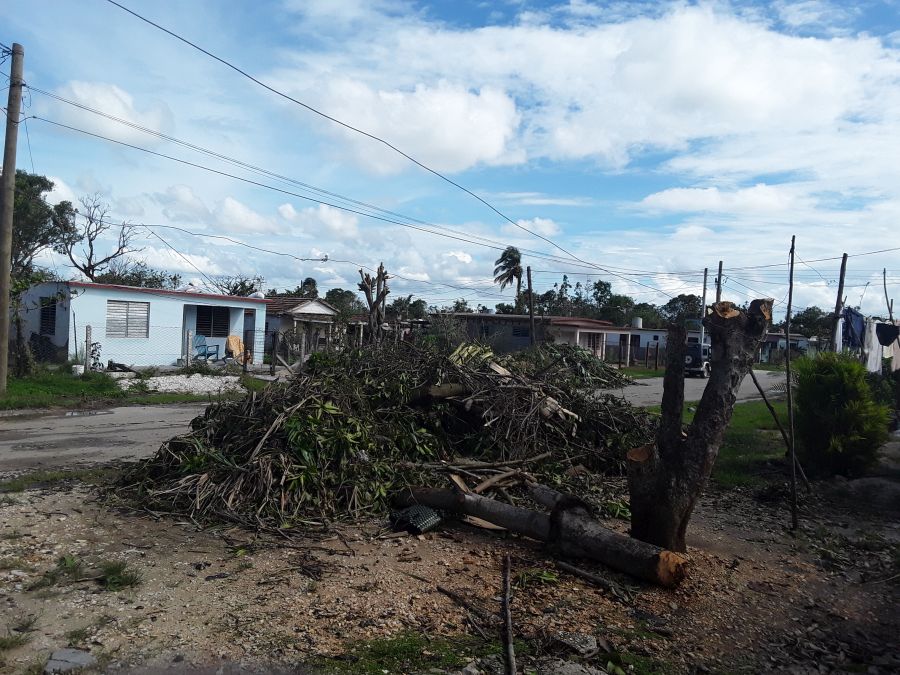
345 125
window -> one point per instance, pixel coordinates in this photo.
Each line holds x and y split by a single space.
127 319
520 331
593 340
48 316
656 338
213 321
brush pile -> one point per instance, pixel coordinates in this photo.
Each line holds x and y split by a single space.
338 439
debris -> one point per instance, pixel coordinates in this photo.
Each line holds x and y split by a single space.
64 660
415 519
336 440
509 650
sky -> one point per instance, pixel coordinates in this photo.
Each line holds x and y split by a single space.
634 142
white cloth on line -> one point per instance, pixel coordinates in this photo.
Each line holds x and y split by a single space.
872 350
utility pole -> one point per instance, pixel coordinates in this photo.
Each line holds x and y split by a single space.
887 300
7 201
530 306
838 305
703 306
719 284
790 392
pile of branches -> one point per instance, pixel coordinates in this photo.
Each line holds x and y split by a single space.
339 438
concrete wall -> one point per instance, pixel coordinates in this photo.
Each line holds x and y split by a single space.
57 344
171 316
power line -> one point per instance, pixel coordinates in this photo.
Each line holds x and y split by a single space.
345 125
257 169
320 201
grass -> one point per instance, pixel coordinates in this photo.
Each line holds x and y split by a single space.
55 389
408 653
10 641
768 366
116 576
641 373
41 478
13 564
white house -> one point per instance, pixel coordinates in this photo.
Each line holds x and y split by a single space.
138 326
307 322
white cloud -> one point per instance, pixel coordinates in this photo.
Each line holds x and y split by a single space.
542 226
759 199
230 215
167 259
448 127
311 220
541 199
181 203
811 13
115 101
61 192
461 256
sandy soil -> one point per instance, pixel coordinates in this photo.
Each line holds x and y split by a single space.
757 598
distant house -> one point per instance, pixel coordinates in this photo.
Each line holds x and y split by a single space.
772 349
137 326
307 322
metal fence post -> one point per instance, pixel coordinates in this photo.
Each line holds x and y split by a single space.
87 349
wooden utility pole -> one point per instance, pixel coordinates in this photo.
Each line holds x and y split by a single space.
838 304
703 305
719 284
790 394
530 306
7 202
887 300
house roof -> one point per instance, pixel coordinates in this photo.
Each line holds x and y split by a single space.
164 291
293 305
554 320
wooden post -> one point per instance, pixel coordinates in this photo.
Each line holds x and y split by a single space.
719 284
530 307
274 352
790 394
7 201
838 304
619 356
702 310
87 349
656 358
647 356
189 352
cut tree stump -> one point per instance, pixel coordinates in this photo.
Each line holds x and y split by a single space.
569 531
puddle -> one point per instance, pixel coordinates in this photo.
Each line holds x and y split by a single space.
86 413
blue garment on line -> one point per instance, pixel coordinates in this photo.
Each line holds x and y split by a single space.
854 328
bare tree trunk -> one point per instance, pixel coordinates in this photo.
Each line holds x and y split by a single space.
666 479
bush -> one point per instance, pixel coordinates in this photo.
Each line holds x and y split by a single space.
839 425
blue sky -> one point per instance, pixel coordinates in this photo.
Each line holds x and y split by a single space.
648 139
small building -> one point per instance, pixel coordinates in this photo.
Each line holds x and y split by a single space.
306 323
773 348
136 326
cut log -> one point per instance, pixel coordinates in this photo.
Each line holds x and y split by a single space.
569 531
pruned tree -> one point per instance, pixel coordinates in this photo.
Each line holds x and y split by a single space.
666 478
239 285
84 244
376 291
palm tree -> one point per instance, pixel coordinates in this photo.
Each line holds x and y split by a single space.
508 268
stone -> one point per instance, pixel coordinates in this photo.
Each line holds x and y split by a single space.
64 660
581 643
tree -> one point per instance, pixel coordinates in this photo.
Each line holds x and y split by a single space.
811 322
649 313
139 274
682 307
405 307
601 292
346 302
508 269
462 306
617 309
504 308
238 284
37 225
81 242
376 291
666 478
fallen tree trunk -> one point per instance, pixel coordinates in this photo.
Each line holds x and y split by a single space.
568 530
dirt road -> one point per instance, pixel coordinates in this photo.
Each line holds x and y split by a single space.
649 391
58 439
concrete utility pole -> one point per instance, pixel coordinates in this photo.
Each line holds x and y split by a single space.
703 306
530 306
719 284
7 201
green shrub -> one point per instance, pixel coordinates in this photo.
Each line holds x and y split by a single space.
839 425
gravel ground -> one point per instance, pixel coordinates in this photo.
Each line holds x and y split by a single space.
189 384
